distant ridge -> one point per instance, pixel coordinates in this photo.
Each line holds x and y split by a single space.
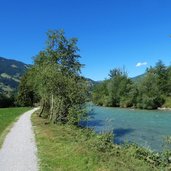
138 78
11 72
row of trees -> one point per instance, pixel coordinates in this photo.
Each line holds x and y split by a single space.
149 92
7 101
55 81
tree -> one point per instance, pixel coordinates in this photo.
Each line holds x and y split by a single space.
149 96
119 88
114 92
169 81
101 95
56 79
162 77
27 95
7 101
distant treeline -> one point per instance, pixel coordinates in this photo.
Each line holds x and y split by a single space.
151 91
7 101
13 100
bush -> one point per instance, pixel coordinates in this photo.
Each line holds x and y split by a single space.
103 142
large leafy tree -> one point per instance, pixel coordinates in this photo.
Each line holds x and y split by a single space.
119 88
149 96
161 75
100 95
27 95
114 92
56 79
169 80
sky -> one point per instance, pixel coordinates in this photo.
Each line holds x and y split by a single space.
133 34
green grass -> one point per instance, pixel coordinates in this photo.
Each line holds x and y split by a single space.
7 117
68 148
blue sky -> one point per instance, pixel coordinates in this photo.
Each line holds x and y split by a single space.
111 33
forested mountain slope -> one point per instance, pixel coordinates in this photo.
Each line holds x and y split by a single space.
11 72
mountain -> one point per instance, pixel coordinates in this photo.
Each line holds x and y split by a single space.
138 78
91 82
11 72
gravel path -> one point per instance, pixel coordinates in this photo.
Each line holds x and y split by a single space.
18 152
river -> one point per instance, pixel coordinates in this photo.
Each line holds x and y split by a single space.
143 127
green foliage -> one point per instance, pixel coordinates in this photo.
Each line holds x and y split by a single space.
119 87
115 91
149 92
167 103
102 142
55 79
7 101
149 96
160 160
161 72
100 94
169 80
26 95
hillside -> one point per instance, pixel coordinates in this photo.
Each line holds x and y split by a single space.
138 78
11 72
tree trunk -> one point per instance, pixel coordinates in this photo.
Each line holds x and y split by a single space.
52 104
43 106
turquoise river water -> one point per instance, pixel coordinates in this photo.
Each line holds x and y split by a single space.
145 128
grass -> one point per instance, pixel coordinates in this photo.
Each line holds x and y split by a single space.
68 148
7 117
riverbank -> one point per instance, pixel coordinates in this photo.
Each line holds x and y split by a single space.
147 128
133 108
64 147
164 108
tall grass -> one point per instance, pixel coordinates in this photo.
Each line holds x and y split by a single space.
68 148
